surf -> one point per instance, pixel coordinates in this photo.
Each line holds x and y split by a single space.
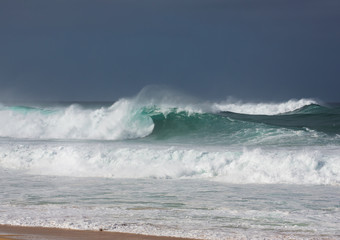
161 134
156 115
293 165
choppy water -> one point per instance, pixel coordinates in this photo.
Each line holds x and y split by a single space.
165 164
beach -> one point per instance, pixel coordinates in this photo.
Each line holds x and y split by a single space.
39 233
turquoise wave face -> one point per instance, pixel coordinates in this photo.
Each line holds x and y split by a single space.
313 117
311 124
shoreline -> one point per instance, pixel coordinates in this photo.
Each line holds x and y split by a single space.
11 232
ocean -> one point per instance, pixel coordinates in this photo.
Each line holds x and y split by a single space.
162 163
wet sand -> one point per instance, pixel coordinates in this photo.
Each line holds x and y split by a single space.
8 232
38 233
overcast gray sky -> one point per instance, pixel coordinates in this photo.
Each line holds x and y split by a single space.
106 49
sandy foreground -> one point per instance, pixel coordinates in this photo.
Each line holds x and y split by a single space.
8 232
38 233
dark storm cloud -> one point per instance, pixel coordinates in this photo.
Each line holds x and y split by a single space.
103 50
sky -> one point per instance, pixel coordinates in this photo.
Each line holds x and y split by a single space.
102 50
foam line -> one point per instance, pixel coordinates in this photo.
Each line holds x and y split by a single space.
308 165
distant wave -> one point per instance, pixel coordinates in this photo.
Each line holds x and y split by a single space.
263 108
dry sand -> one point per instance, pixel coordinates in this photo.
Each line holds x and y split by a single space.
38 233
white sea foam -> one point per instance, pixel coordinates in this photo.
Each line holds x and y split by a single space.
262 108
306 165
120 121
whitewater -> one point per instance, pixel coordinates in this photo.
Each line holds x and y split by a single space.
163 163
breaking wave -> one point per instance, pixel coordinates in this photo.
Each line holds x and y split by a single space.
165 117
122 120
